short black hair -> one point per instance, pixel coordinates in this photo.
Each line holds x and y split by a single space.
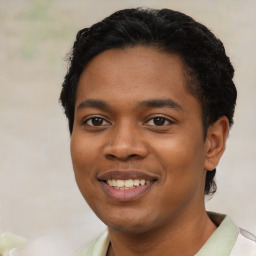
208 68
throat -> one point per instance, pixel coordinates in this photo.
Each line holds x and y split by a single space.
185 241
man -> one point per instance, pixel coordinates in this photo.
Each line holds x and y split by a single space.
150 99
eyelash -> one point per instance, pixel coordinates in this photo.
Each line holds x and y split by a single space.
86 122
161 119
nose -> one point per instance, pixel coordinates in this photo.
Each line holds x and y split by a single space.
125 143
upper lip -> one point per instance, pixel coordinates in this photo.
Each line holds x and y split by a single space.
125 175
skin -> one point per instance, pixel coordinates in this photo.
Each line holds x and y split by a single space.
170 216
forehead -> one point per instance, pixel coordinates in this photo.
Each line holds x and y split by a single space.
133 74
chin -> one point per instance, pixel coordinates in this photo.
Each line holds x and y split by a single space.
129 224
129 229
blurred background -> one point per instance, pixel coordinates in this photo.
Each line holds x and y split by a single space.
38 193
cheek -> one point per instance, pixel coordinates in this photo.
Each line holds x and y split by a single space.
83 156
180 152
83 159
183 178
83 151
183 162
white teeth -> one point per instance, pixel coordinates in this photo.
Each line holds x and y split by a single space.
127 184
136 182
120 183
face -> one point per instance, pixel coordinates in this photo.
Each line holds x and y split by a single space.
137 144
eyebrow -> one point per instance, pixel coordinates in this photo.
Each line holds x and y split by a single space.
90 103
152 103
160 103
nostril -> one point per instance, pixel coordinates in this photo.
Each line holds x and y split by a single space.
111 156
122 157
132 156
124 151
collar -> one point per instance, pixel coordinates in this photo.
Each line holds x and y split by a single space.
222 241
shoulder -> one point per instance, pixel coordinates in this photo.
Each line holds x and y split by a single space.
245 244
97 247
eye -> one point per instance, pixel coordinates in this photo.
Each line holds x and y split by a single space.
96 121
159 121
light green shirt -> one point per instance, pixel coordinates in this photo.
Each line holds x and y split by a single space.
223 242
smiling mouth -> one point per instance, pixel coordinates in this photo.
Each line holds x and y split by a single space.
123 185
127 184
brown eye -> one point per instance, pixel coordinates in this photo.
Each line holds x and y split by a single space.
96 121
158 121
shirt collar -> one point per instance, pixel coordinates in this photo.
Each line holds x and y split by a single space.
223 239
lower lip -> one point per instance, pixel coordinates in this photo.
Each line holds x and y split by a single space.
126 194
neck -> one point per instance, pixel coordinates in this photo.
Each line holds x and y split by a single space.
176 239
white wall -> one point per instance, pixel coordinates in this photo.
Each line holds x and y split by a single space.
38 194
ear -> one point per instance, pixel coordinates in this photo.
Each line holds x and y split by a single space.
215 142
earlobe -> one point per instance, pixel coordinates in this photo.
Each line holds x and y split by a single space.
215 142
